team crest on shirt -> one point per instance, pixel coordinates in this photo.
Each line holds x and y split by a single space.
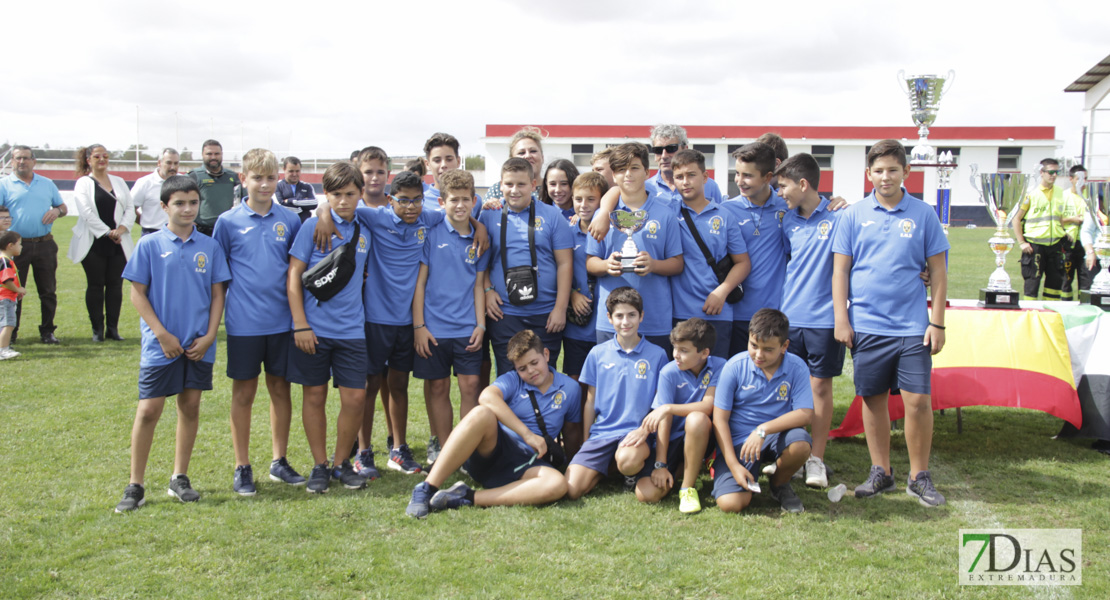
280 230
705 379
784 391
780 215
652 228
200 259
362 243
907 226
420 235
823 229
471 255
641 369
557 399
715 225
539 223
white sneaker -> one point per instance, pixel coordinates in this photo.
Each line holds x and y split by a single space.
816 477
770 470
7 353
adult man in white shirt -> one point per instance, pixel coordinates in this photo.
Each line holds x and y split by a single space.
147 192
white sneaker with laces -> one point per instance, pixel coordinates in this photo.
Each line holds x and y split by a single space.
7 353
816 477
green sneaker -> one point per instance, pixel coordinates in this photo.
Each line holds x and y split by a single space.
688 502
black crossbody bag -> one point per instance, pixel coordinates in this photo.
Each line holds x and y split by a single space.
555 454
720 267
329 276
520 282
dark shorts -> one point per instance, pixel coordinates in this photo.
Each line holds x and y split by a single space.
246 354
500 332
739 338
450 352
663 341
773 447
598 455
388 345
819 348
889 364
506 464
343 360
676 452
723 341
574 355
169 380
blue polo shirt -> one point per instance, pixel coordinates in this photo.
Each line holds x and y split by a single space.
29 202
624 385
391 280
341 317
763 287
692 286
661 239
683 387
552 233
807 292
257 250
453 267
179 276
889 249
562 403
587 332
659 189
754 400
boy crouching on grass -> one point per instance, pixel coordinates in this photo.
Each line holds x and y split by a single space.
501 442
177 277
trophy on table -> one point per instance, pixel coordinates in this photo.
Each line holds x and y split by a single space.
1003 194
924 93
1098 204
628 223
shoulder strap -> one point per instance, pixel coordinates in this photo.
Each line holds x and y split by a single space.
531 235
697 238
539 417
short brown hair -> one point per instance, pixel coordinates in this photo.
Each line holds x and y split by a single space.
887 148
757 153
441 139
696 331
8 238
625 295
688 157
518 165
800 166
372 153
769 323
776 143
622 155
591 180
455 180
603 154
521 343
532 133
341 174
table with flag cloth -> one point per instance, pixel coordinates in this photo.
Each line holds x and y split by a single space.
1049 356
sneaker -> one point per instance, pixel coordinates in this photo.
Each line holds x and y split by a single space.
364 464
7 353
630 483
452 497
786 498
133 497
280 471
346 475
688 501
318 479
877 482
922 489
433 450
419 505
180 489
816 477
400 459
770 470
243 483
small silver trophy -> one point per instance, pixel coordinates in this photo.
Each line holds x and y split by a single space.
1098 204
924 93
1003 194
628 223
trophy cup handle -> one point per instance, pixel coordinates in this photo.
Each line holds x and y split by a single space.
901 78
948 82
975 183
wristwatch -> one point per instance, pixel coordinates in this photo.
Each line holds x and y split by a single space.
660 465
761 432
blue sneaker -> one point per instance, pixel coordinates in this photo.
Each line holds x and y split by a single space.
452 497
433 450
419 504
319 479
364 464
346 475
400 459
281 472
244 481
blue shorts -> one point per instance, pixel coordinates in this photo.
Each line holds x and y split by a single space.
345 360
773 447
889 364
7 313
506 464
500 332
574 355
159 381
819 348
663 341
676 452
450 352
247 353
597 454
739 337
723 341
388 344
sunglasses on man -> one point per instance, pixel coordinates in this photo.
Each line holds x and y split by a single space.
669 149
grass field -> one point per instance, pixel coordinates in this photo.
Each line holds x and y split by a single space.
66 414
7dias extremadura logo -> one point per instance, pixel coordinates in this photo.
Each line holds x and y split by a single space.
1021 557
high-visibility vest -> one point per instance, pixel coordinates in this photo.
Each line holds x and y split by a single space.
1041 224
1074 206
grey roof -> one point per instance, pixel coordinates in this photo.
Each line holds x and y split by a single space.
1091 78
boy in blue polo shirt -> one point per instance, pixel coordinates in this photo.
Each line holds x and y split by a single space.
696 291
500 442
762 404
659 244
177 278
808 228
880 247
448 309
578 340
622 374
256 236
540 299
330 343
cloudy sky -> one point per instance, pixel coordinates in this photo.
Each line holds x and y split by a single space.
323 78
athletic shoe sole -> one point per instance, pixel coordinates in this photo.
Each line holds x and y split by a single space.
137 506
922 501
312 491
174 494
245 493
397 467
277 479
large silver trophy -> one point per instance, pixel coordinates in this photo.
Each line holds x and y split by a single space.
924 93
1003 194
628 223
1098 204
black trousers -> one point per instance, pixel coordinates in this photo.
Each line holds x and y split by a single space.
40 261
1047 261
104 289
1074 270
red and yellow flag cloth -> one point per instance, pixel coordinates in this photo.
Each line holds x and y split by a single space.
1016 358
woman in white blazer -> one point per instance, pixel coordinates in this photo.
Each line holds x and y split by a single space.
101 238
